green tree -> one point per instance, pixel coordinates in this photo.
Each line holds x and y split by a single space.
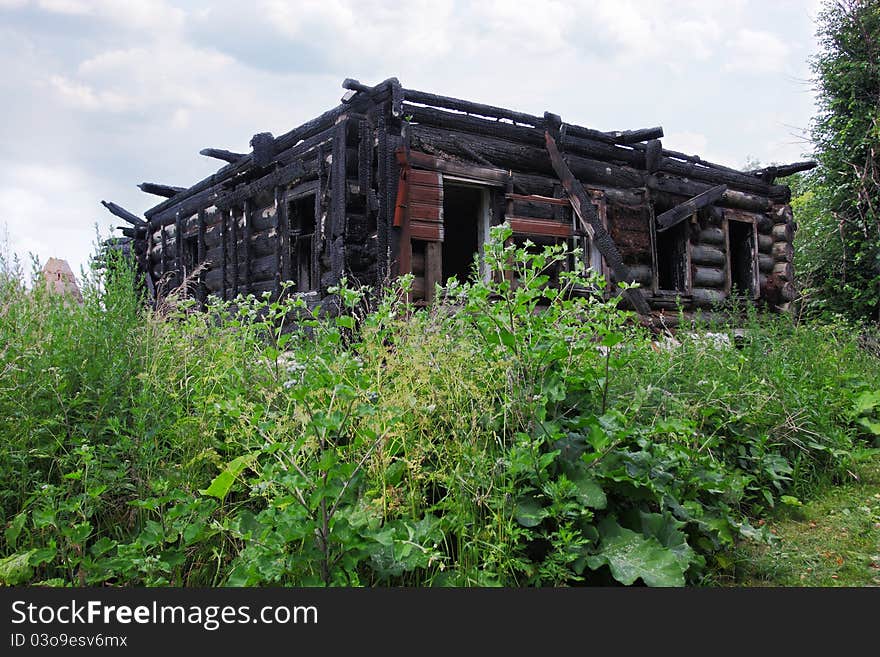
839 203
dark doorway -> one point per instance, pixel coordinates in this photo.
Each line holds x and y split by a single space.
672 259
742 258
301 218
190 255
462 219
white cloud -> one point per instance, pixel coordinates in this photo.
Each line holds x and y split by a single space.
151 15
82 96
756 51
689 143
120 92
49 210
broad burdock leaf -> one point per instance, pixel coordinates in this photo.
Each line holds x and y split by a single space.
529 512
16 569
631 555
223 482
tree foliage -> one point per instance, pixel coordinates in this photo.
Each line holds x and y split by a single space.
839 204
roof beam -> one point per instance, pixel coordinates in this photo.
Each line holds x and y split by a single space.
166 191
220 154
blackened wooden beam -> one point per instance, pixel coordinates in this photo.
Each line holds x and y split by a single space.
623 137
524 136
282 143
133 233
769 174
684 210
291 158
224 239
123 214
235 259
289 173
384 184
281 233
635 136
653 155
178 250
220 154
201 256
592 224
164 253
354 85
424 98
246 212
695 159
337 202
365 156
157 189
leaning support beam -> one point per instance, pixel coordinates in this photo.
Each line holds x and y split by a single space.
166 191
684 210
592 224
123 214
220 154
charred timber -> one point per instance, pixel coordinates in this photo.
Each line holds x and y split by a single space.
634 136
157 189
769 174
469 107
525 136
589 219
220 154
263 144
324 122
123 214
221 197
682 211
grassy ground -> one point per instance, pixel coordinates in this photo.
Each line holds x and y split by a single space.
833 540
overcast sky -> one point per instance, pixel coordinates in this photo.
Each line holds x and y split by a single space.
97 96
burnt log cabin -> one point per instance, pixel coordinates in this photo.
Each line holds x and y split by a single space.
396 181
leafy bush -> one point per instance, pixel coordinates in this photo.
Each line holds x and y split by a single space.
514 434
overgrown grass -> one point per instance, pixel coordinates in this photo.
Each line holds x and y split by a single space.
832 540
479 443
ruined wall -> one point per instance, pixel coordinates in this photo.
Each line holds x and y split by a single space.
331 199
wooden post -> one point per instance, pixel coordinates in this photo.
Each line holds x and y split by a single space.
433 268
337 202
383 220
224 218
279 239
164 252
178 249
235 260
246 211
201 260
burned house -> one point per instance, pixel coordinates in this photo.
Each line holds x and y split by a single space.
396 181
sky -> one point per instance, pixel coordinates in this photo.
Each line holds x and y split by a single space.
97 96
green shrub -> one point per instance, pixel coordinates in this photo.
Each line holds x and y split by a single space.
514 434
